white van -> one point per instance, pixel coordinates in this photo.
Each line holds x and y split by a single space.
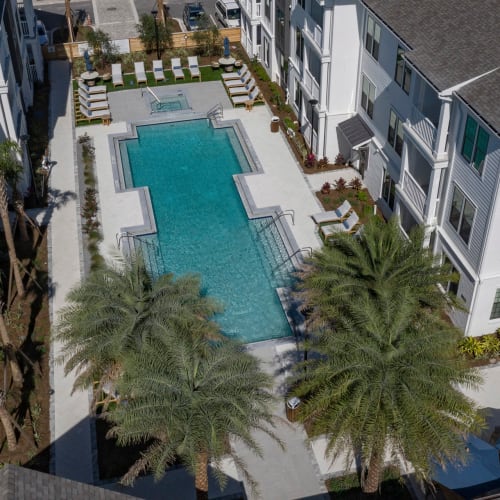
228 13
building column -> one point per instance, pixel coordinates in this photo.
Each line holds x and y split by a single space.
432 195
327 28
6 119
442 130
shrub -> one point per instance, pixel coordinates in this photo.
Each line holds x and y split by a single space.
288 122
471 346
340 184
362 196
339 159
356 183
310 160
325 188
259 71
491 344
105 51
323 162
208 41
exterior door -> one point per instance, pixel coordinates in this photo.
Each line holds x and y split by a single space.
363 160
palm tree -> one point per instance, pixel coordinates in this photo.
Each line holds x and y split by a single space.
6 420
8 164
386 377
380 260
17 374
189 396
117 309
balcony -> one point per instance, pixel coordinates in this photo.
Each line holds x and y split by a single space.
310 85
423 127
414 192
314 33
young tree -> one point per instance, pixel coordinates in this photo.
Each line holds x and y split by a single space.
207 37
105 51
189 397
147 33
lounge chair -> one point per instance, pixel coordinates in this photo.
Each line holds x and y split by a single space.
333 215
93 106
140 73
92 97
96 89
346 226
242 99
242 90
240 82
158 70
116 74
234 75
177 68
194 69
104 114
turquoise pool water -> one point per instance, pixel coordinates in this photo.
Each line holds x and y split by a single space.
203 227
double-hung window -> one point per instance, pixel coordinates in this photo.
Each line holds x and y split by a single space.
395 133
495 310
372 37
388 190
402 75
451 286
367 96
299 44
462 213
475 144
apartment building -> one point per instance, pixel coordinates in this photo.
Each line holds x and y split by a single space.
21 66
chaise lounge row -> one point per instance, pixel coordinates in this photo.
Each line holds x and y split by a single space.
93 102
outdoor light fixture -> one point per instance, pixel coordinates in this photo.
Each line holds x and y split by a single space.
154 13
313 103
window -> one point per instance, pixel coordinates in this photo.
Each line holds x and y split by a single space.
302 3
266 52
451 286
267 9
475 144
395 134
299 44
495 310
389 190
372 39
403 71
367 96
461 214
298 94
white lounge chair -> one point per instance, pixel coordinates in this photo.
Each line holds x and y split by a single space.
96 89
177 68
242 90
140 73
92 97
346 226
93 106
194 69
158 70
103 114
333 215
234 75
116 74
242 99
240 82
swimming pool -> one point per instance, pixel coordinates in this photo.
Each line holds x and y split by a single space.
202 224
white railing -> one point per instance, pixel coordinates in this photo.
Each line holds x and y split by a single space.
414 192
311 85
423 127
315 31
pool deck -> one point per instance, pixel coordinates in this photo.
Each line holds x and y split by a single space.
294 474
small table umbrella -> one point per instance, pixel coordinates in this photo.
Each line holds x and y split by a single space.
227 52
88 62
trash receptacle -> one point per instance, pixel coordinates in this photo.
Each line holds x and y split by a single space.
275 124
292 409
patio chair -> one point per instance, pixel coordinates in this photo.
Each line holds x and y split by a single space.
92 97
240 82
177 68
346 226
116 74
242 99
333 215
96 89
103 114
140 73
194 69
242 90
93 106
158 70
235 75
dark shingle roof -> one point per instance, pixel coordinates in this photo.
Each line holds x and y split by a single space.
356 131
19 483
451 41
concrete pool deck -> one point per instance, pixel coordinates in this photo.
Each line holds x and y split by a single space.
294 474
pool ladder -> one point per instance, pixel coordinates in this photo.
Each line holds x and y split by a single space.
216 112
309 250
278 215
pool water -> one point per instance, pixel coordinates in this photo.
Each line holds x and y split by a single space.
170 103
203 227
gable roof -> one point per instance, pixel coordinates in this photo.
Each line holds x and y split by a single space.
356 131
451 42
19 483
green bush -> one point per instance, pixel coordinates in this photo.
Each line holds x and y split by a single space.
472 347
362 196
260 72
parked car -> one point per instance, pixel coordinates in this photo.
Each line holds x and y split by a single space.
42 33
192 14
228 13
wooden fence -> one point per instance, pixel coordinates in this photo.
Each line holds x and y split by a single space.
179 40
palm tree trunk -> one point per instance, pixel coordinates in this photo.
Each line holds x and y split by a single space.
372 480
161 11
17 374
4 214
7 425
201 476
21 218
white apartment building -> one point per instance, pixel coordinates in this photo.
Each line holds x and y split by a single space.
21 66
409 92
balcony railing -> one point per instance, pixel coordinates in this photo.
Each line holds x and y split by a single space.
424 128
257 10
311 85
414 192
315 31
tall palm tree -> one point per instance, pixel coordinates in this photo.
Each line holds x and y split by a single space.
189 396
9 350
118 308
8 164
